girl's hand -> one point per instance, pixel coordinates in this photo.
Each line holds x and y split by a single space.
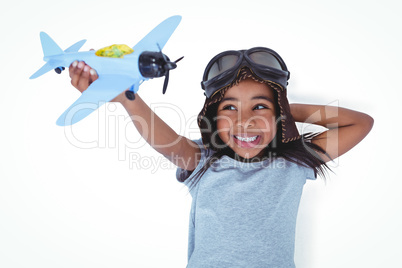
346 128
82 75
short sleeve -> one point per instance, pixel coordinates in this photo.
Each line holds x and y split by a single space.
182 175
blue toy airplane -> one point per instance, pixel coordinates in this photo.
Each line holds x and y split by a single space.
119 68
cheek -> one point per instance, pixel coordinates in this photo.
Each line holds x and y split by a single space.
224 123
222 127
269 126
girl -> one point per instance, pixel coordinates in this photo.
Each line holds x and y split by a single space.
247 173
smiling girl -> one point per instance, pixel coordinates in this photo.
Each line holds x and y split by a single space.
246 174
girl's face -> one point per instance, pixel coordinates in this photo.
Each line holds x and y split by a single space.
246 118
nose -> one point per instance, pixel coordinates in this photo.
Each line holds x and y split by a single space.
245 120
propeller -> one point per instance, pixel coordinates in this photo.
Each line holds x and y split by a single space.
168 65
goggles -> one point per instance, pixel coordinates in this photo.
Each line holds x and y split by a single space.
223 69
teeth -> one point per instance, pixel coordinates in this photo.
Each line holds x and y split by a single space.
249 139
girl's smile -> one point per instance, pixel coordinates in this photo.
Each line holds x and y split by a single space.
247 141
246 118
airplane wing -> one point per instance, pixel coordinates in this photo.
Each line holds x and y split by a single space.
104 89
159 35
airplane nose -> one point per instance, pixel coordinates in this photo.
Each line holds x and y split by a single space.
151 64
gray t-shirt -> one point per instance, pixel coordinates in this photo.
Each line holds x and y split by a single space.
244 214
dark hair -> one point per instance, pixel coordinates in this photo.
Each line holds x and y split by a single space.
300 151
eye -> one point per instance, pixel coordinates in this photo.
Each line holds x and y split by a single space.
260 107
229 107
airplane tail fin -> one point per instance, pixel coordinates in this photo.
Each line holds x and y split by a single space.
50 48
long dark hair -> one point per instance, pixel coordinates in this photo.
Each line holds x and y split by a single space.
300 151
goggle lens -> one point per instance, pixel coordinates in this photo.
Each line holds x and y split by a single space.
265 59
222 64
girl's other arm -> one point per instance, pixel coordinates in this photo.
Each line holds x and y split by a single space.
181 151
346 128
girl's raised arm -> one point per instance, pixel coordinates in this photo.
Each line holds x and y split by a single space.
178 149
346 128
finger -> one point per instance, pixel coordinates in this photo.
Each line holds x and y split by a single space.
93 75
72 67
83 82
76 75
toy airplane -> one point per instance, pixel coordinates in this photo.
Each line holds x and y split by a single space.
119 68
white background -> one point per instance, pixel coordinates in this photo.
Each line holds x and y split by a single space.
85 197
